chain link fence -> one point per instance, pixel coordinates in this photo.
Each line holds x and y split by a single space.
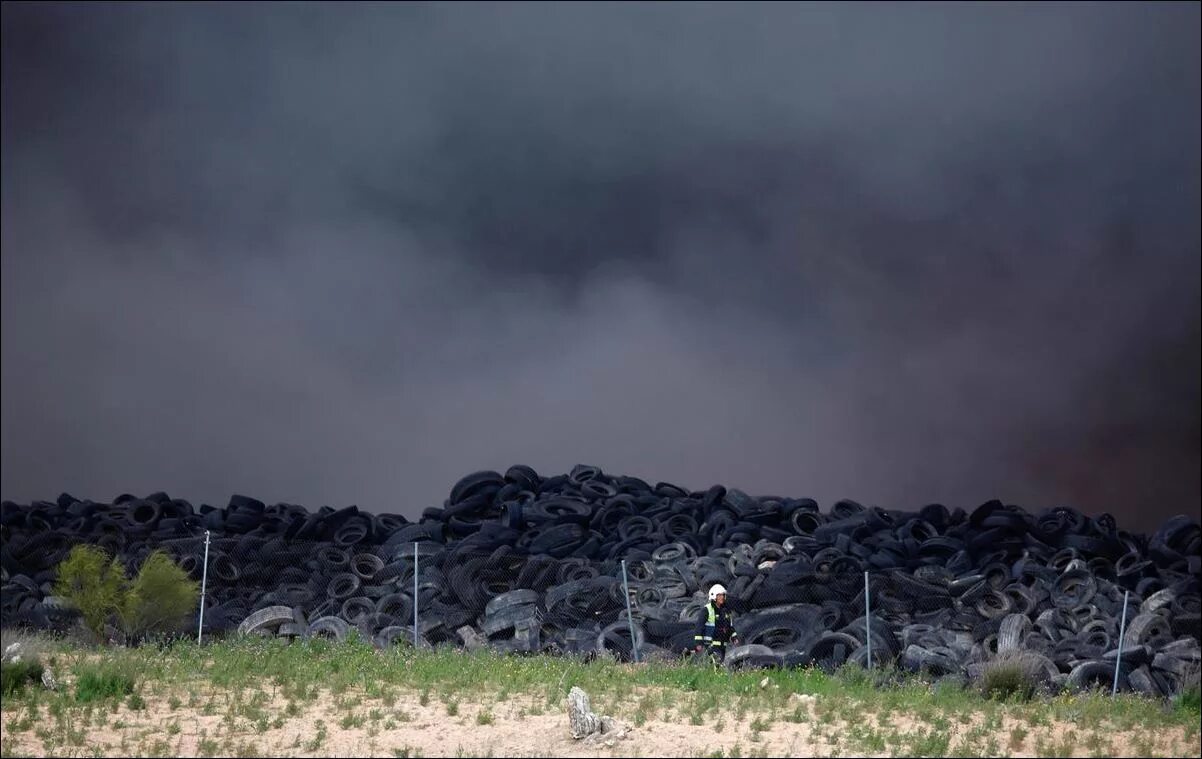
798 602
790 609
28 598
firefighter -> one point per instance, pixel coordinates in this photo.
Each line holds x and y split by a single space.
714 630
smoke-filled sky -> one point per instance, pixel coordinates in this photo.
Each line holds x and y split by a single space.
334 254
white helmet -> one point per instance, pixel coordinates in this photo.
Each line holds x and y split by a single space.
716 591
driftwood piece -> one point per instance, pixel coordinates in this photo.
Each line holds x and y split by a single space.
581 719
585 723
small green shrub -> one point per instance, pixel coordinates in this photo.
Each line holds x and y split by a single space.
853 675
1006 679
1189 693
15 675
160 597
98 682
157 601
94 583
1191 699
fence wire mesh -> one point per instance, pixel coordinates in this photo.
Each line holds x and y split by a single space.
795 602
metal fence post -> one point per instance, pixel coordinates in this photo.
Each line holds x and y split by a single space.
415 595
204 582
867 621
1119 658
634 644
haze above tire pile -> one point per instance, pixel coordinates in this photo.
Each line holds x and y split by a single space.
525 563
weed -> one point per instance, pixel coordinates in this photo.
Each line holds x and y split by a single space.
102 681
932 742
1189 693
642 710
14 676
1009 677
318 738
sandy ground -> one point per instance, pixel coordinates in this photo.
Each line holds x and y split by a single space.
519 726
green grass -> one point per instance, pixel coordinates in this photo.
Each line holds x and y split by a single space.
1007 680
319 737
1189 698
365 684
15 676
351 720
110 679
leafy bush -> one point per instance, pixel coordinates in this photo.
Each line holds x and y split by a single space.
156 601
93 582
14 675
1009 677
160 597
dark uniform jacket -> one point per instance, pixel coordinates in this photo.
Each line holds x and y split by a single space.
714 629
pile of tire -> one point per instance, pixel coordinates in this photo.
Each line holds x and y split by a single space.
519 562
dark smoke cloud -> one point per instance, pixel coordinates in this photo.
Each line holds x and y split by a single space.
900 253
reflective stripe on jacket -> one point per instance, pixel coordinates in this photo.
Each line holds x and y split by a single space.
715 628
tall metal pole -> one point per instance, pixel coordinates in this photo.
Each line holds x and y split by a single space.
1122 631
634 646
867 622
415 594
204 582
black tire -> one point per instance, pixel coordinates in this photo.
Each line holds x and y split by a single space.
1151 630
832 650
366 566
752 656
266 620
1093 674
1013 632
352 532
343 585
1074 588
328 627
935 662
616 638
355 610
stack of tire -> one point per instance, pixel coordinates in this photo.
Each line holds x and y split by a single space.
519 562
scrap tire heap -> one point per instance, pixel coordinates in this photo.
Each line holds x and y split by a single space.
519 562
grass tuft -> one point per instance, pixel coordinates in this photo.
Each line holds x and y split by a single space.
14 676
96 682
1010 677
